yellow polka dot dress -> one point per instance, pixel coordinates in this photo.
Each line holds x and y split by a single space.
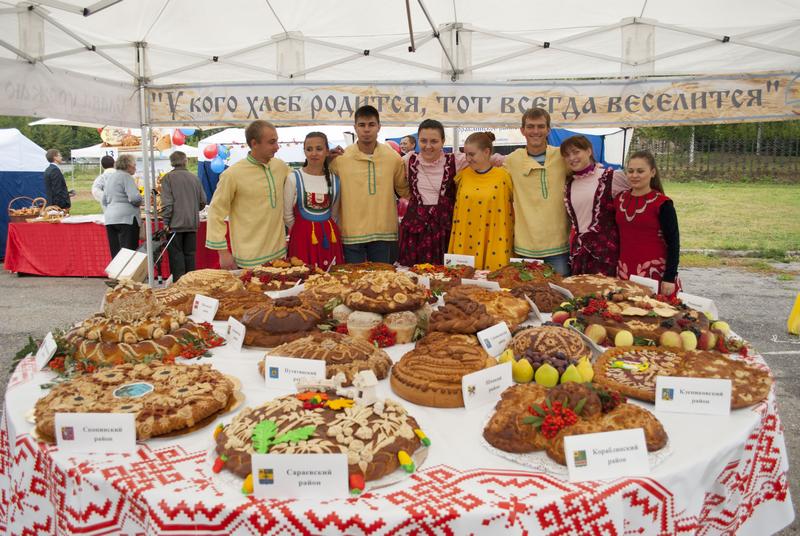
483 222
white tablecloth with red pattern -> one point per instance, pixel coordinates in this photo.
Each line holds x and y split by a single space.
726 475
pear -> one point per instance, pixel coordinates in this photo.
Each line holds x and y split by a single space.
585 369
571 375
507 355
547 375
522 371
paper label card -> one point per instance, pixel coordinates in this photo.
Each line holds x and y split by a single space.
424 281
96 432
235 334
521 259
704 305
292 291
650 283
535 313
300 476
606 455
490 285
485 386
281 372
703 396
204 308
451 259
564 292
495 339
46 351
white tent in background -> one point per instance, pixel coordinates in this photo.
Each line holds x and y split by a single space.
591 64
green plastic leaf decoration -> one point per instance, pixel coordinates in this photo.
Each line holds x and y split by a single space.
262 436
296 435
538 409
579 406
525 276
535 421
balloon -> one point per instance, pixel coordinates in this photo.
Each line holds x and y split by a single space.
211 151
393 145
99 130
224 151
178 138
188 131
218 165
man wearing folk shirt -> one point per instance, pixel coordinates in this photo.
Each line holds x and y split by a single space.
250 195
182 198
538 173
370 174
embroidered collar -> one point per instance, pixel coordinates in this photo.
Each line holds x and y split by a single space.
586 172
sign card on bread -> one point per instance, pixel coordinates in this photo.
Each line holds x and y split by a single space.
204 308
520 259
495 339
698 303
606 455
648 282
693 395
234 336
300 476
281 372
46 351
485 386
291 291
564 292
96 432
451 259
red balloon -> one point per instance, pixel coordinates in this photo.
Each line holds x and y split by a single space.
178 138
393 145
99 130
211 151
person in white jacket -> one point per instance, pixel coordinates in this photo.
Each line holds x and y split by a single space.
99 184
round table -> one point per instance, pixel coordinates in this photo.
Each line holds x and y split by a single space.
724 475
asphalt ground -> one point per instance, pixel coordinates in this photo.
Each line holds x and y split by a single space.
756 306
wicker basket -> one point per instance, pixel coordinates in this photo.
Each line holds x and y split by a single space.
23 208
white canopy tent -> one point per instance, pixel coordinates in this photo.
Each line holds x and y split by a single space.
99 151
186 62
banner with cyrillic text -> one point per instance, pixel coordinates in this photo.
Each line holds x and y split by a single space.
585 103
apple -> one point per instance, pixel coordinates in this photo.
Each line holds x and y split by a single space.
670 339
689 340
722 327
623 338
559 317
596 332
707 340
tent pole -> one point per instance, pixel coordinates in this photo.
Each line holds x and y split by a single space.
146 143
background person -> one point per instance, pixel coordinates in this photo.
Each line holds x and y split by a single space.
408 144
371 173
649 239
55 187
589 198
541 224
182 198
250 195
483 224
311 201
121 202
107 163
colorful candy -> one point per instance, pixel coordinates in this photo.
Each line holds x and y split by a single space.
405 461
220 427
422 437
247 486
356 483
219 463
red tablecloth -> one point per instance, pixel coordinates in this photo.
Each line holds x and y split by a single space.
75 249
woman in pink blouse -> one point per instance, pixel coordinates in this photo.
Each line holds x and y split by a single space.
425 229
589 196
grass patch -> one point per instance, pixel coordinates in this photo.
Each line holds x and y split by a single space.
785 277
757 217
751 264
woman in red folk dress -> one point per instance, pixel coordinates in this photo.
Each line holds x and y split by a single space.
648 227
311 207
589 196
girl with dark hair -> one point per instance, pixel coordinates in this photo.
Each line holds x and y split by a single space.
589 197
425 229
648 226
311 207
483 220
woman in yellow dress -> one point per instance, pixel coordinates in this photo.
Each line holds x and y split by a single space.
483 221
